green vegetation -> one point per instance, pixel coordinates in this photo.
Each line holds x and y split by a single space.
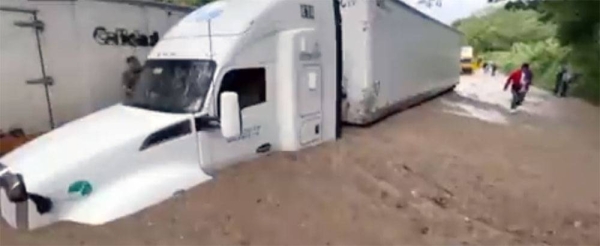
544 33
499 29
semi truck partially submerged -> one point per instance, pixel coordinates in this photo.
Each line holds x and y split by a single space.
233 80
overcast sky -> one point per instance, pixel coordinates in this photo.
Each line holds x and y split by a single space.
451 10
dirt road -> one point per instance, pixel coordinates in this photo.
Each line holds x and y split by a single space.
456 170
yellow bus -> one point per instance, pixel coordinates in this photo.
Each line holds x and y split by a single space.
466 60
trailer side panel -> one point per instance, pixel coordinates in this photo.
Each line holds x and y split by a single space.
411 58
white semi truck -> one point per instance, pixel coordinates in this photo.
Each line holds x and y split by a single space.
233 80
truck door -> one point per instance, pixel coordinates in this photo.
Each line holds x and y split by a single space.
310 103
257 114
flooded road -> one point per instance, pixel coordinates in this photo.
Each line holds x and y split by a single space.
482 97
457 170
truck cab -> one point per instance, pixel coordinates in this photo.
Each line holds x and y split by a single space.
233 80
278 57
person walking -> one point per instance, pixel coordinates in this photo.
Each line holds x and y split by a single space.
519 81
485 67
494 67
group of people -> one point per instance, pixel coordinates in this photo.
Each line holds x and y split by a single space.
521 79
490 67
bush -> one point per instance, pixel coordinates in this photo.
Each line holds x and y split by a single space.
499 29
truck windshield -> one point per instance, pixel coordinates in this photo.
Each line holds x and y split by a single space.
174 86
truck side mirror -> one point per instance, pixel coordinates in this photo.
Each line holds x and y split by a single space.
231 123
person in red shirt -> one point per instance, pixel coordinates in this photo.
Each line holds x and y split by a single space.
519 81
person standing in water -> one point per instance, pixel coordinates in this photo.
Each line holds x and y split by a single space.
563 80
559 79
494 67
519 81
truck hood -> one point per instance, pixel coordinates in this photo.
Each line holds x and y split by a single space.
64 148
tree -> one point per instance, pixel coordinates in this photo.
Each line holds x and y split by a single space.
500 29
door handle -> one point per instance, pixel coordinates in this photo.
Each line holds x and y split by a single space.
37 24
42 81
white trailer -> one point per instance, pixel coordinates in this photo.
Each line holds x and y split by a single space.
73 54
232 81
394 57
